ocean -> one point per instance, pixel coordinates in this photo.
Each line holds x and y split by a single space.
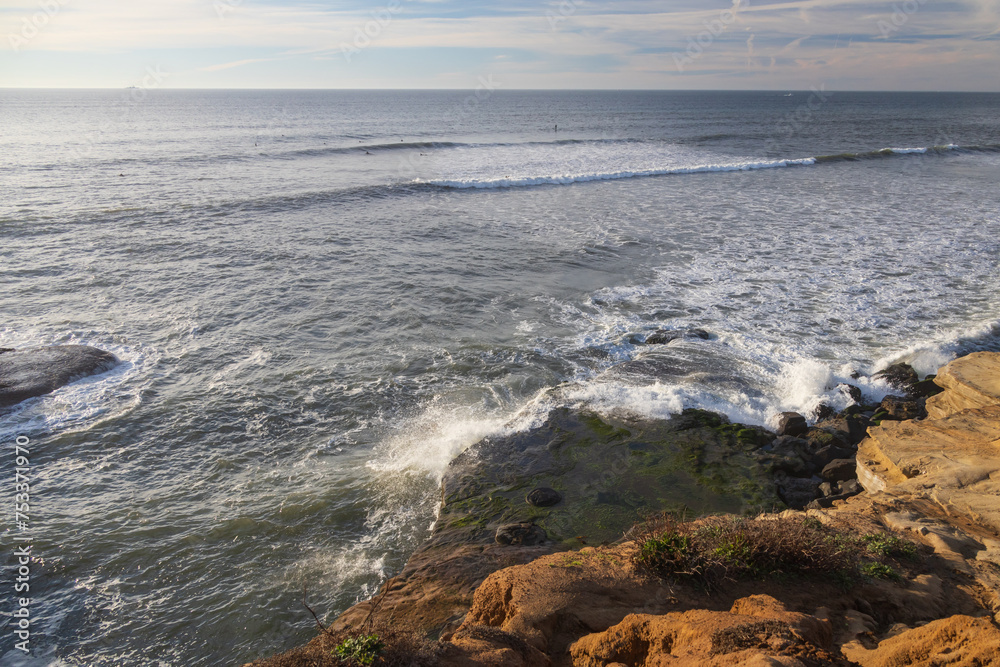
321 297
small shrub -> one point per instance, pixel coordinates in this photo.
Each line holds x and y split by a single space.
889 546
716 549
362 649
877 570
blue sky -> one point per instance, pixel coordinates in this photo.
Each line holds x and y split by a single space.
669 44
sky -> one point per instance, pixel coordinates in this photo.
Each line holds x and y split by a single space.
561 44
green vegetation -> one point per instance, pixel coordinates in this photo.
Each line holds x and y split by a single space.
886 545
877 570
363 650
714 550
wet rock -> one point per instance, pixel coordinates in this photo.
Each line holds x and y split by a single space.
822 457
900 376
38 371
853 392
840 470
796 492
902 408
926 388
526 534
821 437
543 496
791 423
664 336
824 411
853 428
791 456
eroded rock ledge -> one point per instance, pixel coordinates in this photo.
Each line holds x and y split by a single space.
934 482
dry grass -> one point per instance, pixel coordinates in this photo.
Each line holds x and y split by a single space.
715 550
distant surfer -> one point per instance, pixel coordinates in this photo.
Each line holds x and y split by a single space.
367 153
557 127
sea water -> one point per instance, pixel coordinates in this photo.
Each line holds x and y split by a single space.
319 298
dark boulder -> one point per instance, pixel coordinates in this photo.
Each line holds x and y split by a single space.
664 336
824 411
840 470
902 408
38 371
796 492
791 456
900 376
821 437
543 496
826 455
791 423
850 487
525 534
926 388
854 393
853 428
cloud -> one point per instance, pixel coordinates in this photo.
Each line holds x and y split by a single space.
629 43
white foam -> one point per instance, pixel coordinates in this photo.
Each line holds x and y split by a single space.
564 179
908 151
85 402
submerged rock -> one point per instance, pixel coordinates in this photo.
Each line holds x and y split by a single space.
527 534
664 336
38 371
543 496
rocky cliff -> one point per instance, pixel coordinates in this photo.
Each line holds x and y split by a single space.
914 561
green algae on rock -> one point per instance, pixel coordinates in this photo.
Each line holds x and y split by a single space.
610 472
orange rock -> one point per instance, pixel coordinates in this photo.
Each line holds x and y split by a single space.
957 641
758 630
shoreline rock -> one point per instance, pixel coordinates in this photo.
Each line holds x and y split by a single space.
34 372
933 482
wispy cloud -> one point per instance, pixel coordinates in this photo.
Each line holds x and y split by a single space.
623 43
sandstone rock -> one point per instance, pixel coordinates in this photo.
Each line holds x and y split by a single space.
38 371
954 460
755 631
791 423
969 382
961 641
